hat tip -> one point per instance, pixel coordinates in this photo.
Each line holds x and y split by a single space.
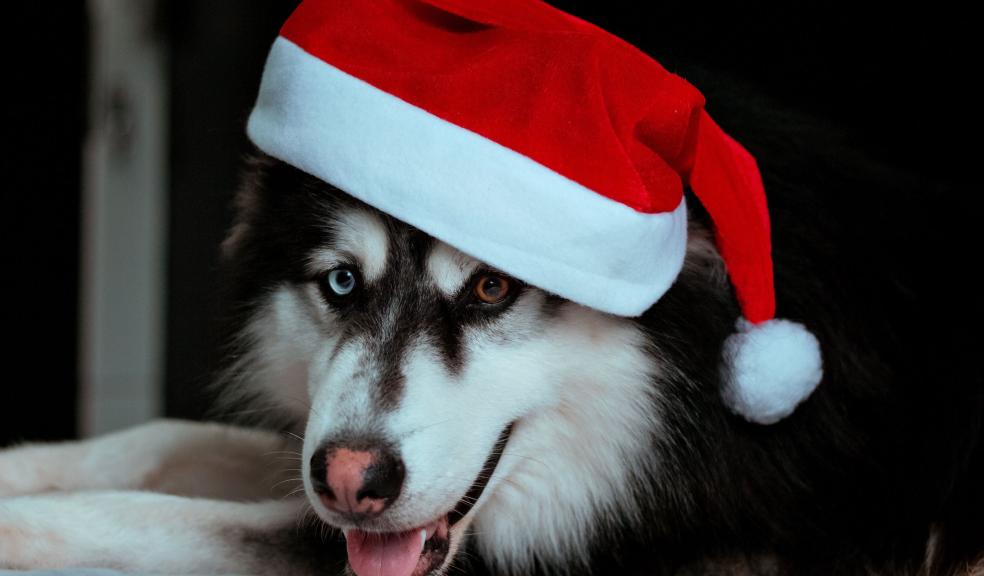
771 367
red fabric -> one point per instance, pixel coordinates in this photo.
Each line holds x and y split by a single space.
540 82
725 178
564 93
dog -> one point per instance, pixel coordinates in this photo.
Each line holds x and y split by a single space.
421 412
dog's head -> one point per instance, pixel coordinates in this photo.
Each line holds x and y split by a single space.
437 396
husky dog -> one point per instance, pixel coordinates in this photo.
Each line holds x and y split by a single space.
425 413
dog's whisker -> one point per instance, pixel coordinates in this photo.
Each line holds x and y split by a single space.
289 433
290 459
303 404
292 493
418 429
305 517
286 481
510 454
280 452
235 413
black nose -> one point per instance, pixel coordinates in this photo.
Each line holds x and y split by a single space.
357 478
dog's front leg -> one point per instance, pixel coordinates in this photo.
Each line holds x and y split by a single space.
144 532
176 457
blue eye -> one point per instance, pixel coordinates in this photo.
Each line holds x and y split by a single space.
341 281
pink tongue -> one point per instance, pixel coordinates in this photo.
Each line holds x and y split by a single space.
384 554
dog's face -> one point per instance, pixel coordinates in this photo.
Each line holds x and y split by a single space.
437 395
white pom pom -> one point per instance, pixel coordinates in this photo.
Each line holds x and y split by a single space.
772 366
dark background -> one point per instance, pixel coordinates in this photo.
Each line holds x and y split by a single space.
896 81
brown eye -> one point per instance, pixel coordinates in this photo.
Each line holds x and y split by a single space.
491 289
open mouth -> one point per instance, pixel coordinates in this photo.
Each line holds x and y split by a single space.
421 550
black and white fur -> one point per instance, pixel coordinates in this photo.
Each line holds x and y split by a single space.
622 457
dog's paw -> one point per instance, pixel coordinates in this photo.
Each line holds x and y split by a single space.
30 469
26 543
175 457
143 532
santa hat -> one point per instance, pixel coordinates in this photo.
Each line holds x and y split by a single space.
537 143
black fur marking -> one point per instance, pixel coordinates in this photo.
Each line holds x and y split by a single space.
446 335
551 307
488 468
296 550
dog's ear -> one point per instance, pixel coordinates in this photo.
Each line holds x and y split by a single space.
247 203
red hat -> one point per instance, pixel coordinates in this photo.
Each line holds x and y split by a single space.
540 144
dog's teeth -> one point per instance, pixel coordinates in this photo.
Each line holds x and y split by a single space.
423 536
